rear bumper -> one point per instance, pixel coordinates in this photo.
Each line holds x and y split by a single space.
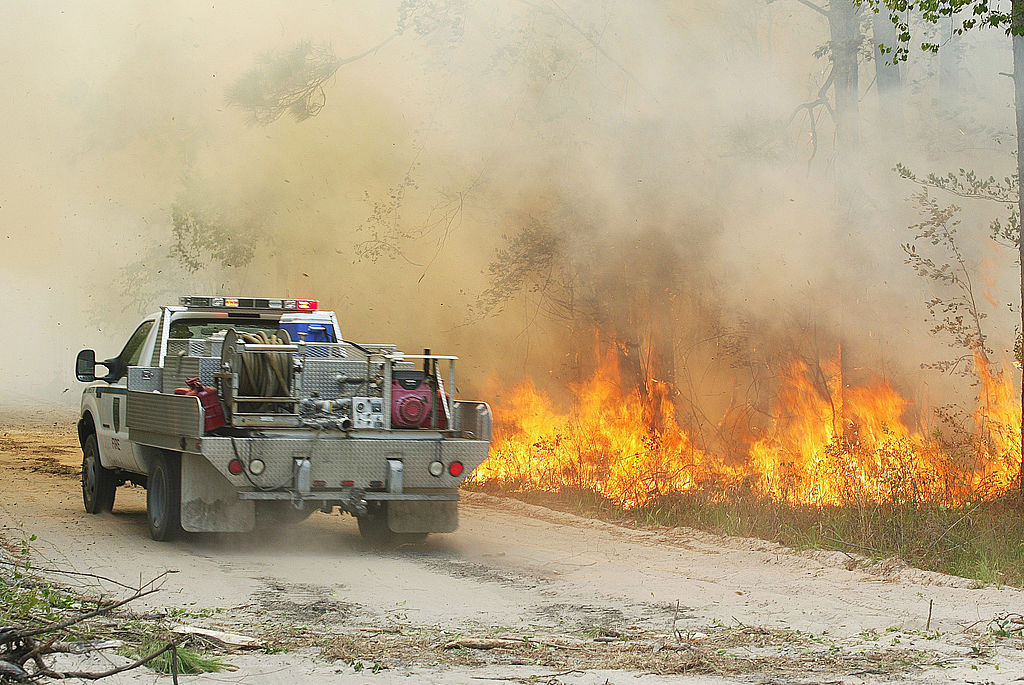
338 463
350 494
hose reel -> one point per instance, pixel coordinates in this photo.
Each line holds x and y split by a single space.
265 374
260 374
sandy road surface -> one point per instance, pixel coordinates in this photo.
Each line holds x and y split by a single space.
748 611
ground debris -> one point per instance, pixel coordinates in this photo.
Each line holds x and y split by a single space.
476 643
39 620
223 639
735 651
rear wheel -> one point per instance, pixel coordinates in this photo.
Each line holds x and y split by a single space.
163 497
98 484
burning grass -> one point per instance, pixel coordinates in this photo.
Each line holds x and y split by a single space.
824 444
834 466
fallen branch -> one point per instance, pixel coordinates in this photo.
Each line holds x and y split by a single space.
9 671
72 573
78 619
85 646
506 643
218 636
20 644
84 675
529 679
474 643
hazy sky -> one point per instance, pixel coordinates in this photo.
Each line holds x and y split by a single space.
611 119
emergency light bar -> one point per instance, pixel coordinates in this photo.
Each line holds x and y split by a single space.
195 302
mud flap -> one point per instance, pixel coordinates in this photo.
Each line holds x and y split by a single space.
423 517
209 502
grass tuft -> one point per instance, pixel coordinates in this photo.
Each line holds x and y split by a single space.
190 661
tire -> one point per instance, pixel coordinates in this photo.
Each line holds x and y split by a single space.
98 483
163 497
272 513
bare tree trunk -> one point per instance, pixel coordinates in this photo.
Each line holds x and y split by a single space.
888 80
1017 30
844 24
646 331
950 53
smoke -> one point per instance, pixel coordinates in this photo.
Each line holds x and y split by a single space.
654 146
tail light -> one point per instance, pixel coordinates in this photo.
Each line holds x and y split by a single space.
235 467
455 468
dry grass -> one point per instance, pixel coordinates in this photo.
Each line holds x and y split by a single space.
734 651
982 540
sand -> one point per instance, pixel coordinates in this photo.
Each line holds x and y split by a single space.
739 610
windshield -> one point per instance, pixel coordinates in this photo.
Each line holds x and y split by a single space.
208 328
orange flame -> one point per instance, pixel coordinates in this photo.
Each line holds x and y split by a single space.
826 444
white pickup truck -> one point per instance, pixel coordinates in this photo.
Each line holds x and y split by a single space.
286 417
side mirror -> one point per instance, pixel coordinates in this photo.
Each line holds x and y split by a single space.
85 366
115 369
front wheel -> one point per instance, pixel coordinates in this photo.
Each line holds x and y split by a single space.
98 484
163 497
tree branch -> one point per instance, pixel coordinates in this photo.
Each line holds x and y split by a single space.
114 671
816 8
822 101
563 16
72 621
73 573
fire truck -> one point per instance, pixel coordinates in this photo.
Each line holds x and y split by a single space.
236 412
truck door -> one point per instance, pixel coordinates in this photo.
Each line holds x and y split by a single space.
112 433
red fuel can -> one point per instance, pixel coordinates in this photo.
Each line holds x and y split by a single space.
208 398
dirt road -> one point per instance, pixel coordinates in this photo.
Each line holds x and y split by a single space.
551 592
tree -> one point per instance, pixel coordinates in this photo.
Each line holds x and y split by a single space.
977 14
610 286
293 80
843 49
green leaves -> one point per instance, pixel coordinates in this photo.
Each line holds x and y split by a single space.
966 15
966 183
935 255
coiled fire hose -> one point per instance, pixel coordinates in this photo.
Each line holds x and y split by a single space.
264 374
